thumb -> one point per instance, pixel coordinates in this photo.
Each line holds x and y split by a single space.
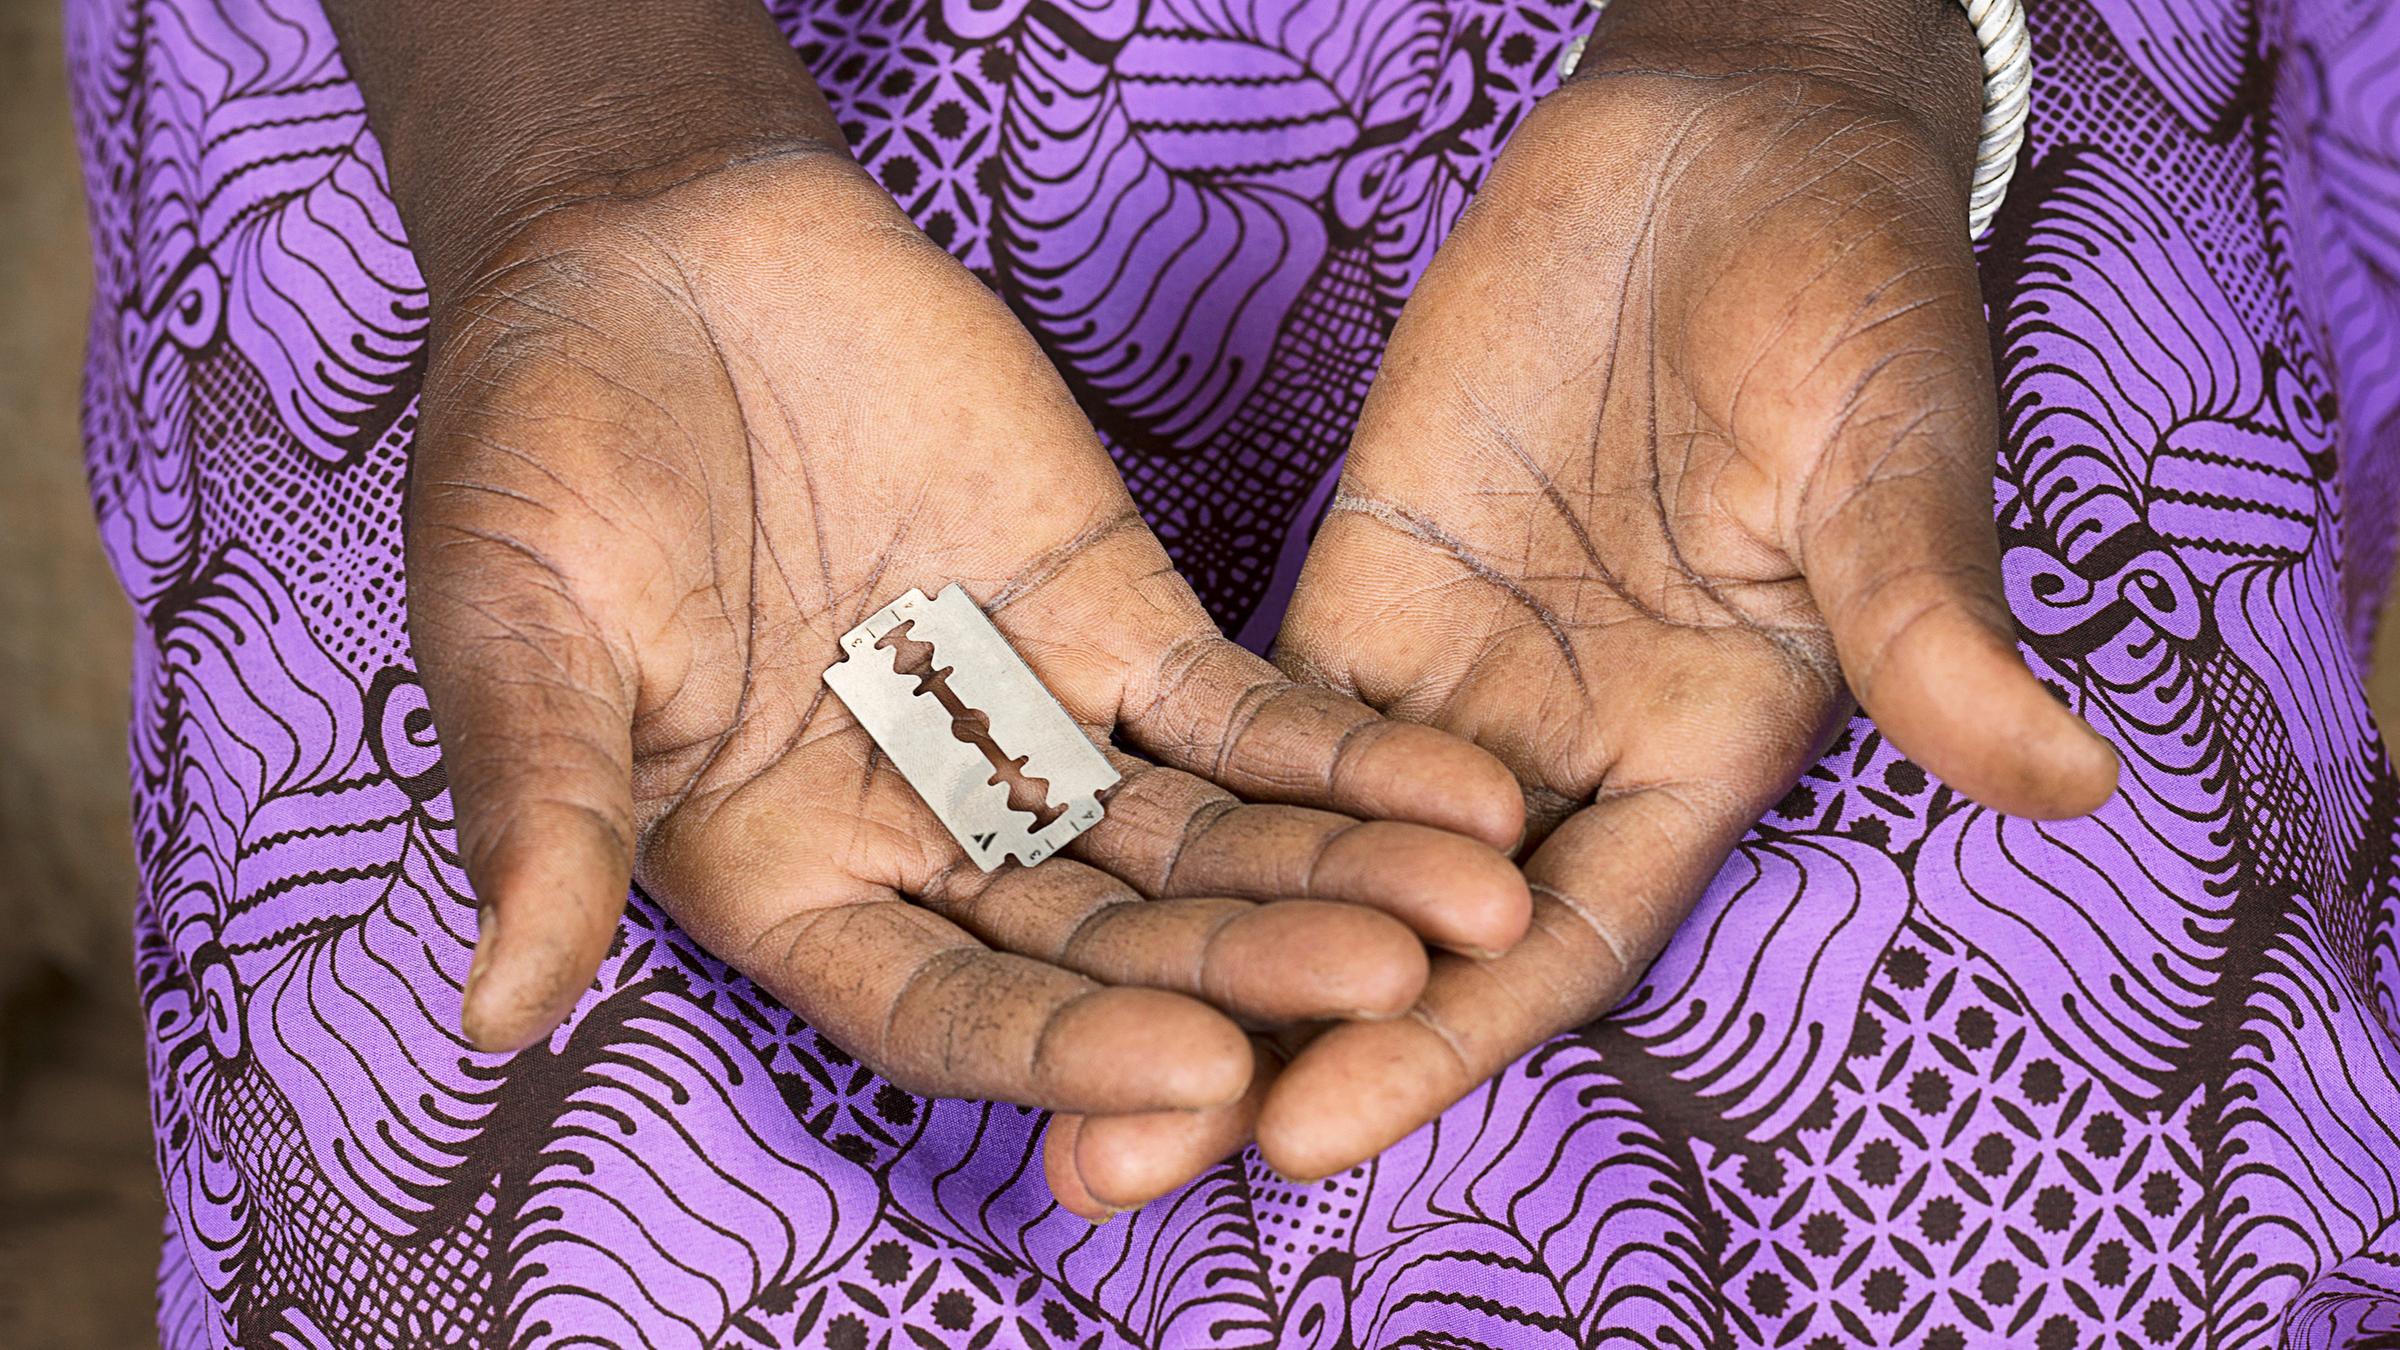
535 723
1903 563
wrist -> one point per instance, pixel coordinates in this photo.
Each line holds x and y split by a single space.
1917 58
493 116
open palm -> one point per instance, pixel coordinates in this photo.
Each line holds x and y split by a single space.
630 563
1685 439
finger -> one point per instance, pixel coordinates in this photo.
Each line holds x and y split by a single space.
1151 662
940 1014
535 724
1172 834
1610 885
799 877
1296 960
1894 533
1907 577
1058 1170
1101 1166
1211 708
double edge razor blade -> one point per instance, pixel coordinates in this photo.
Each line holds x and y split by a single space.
967 723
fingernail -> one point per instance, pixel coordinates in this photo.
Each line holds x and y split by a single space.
487 936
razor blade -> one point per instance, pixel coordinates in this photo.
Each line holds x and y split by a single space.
969 725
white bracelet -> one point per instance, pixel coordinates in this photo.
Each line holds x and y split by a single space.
2007 97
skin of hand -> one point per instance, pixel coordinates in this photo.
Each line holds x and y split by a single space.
1685 441
686 423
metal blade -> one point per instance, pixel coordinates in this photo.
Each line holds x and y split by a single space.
954 775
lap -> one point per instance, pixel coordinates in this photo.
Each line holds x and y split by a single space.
1914 1073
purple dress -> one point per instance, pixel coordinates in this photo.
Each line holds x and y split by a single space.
1914 1074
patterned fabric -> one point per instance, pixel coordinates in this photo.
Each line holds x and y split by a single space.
2130 1080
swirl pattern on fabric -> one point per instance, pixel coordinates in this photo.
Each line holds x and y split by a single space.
2132 1080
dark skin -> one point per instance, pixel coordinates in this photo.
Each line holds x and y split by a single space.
1683 443
648 495
1681 451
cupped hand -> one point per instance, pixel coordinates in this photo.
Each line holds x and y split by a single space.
1686 439
675 442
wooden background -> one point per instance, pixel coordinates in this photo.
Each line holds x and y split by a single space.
79 1208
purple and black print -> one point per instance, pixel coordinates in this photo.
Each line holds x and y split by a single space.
2125 1081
